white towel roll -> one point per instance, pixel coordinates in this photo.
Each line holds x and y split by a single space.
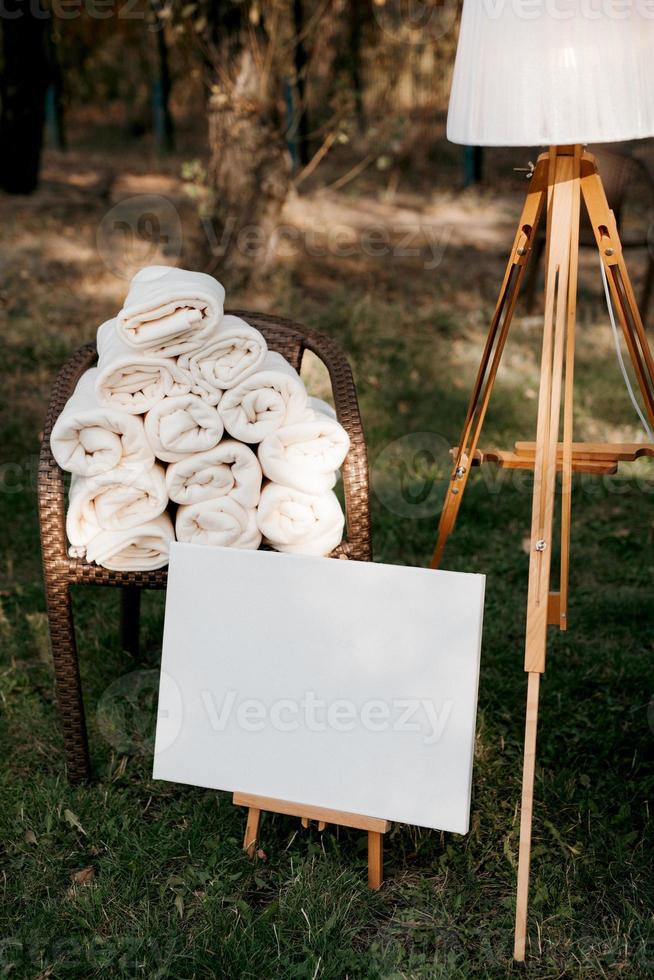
131 380
170 311
230 469
316 406
114 501
300 523
222 521
305 455
137 549
232 352
270 398
180 425
89 438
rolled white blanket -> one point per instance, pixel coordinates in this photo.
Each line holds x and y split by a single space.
131 380
137 549
170 311
232 352
114 501
180 425
229 469
306 455
300 523
222 521
316 406
89 438
270 398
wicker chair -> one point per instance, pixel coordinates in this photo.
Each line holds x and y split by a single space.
62 572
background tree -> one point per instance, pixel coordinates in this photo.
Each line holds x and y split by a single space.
24 79
162 120
249 174
302 125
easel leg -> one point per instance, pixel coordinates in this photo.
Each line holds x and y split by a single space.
647 288
492 355
375 860
252 831
526 811
568 417
608 242
560 292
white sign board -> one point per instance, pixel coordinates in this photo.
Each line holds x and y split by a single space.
339 684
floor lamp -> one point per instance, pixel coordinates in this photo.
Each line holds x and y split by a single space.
560 75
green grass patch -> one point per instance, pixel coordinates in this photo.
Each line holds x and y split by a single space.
131 877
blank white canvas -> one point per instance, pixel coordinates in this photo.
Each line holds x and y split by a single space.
341 684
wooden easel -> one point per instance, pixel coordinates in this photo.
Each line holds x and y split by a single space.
376 828
562 177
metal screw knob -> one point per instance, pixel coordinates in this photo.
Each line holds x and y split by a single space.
541 544
609 251
460 471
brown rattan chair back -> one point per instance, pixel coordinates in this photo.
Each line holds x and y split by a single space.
61 571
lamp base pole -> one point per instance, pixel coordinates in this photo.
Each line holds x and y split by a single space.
562 178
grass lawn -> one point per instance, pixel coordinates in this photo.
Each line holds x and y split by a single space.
129 877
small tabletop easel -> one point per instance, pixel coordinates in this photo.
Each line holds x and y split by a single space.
376 828
562 177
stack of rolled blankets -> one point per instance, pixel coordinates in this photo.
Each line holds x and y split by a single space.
190 428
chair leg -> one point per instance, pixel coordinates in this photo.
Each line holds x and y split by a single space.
67 679
130 619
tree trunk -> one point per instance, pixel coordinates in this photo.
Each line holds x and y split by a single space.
162 120
55 122
302 113
23 85
249 172
355 26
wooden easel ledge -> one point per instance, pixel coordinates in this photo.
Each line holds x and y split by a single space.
322 816
587 457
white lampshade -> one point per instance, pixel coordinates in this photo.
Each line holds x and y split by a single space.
546 72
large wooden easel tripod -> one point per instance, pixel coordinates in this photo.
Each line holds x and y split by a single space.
562 177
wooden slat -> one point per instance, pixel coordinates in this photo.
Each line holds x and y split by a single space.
554 609
567 460
509 460
618 451
303 810
597 456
